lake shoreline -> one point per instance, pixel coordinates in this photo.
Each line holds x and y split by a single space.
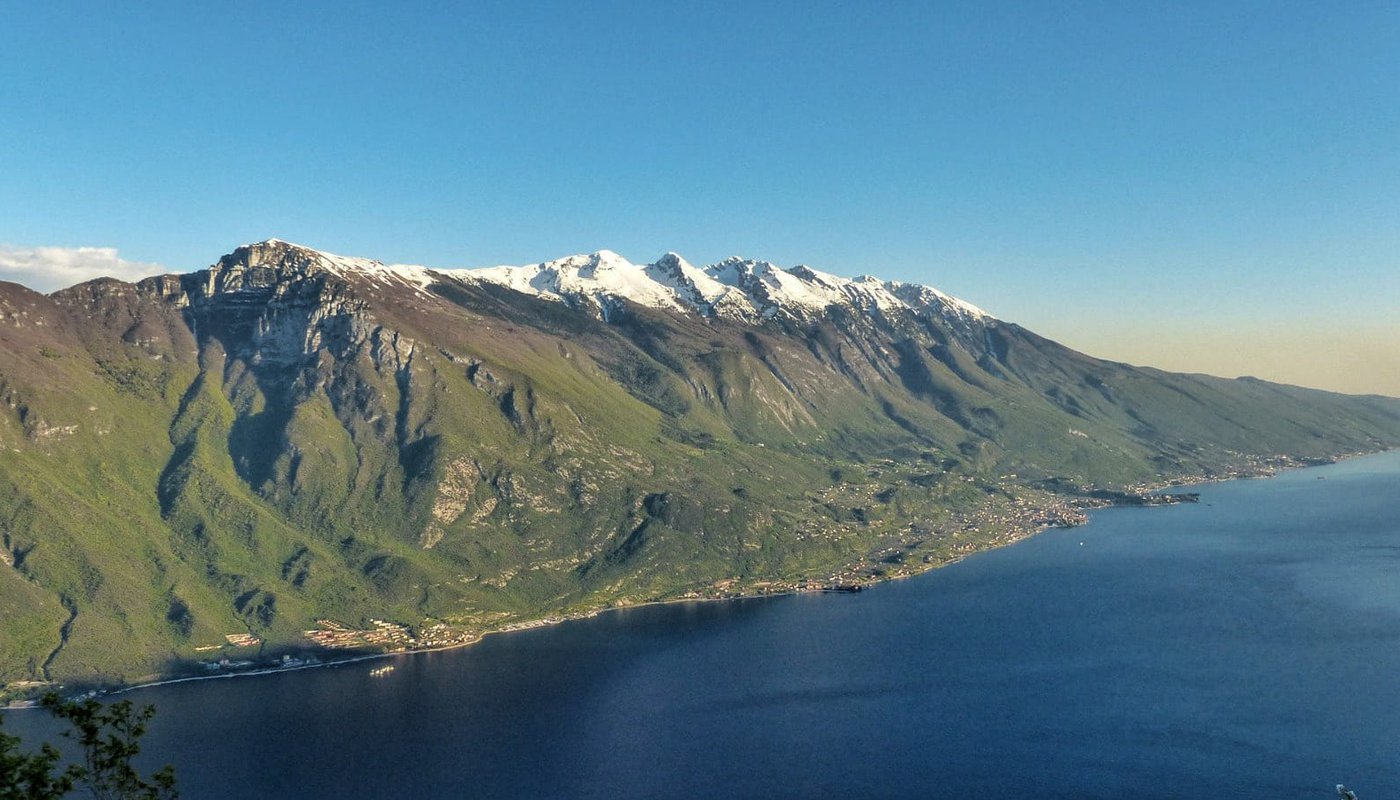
853 584
1140 652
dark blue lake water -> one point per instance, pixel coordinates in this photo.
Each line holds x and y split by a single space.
1247 646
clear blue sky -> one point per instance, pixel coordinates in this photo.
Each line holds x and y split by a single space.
1116 175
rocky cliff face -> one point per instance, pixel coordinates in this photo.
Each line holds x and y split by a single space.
290 436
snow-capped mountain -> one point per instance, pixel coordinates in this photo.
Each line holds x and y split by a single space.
291 436
736 288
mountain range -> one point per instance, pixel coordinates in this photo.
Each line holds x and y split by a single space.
291 450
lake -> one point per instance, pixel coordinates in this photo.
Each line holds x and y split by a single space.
1245 646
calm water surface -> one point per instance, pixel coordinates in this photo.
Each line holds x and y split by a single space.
1247 646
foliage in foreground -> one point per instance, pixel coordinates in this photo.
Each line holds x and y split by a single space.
109 738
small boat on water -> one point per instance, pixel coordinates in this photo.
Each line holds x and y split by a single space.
379 672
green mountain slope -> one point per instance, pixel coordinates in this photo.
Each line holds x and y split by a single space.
268 443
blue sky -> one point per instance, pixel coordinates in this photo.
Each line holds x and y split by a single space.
1210 186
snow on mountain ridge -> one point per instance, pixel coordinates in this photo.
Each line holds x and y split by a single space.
600 276
300 257
735 288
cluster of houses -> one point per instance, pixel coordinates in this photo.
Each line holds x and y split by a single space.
390 636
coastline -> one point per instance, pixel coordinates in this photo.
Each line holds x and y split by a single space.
854 583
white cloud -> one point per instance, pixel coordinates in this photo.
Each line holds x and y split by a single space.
48 268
